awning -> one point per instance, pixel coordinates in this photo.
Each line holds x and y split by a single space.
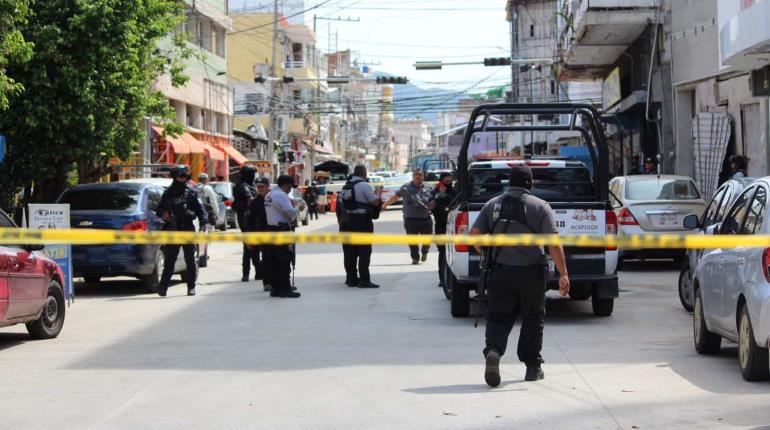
214 153
236 156
317 148
185 143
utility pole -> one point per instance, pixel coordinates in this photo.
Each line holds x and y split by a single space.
277 100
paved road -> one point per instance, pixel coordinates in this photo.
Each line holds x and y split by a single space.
341 358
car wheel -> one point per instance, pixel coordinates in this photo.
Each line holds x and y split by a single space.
93 279
460 297
152 281
448 281
51 321
602 307
706 342
752 358
685 288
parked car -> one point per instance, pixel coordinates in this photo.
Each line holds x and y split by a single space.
650 204
225 189
732 287
31 291
128 206
713 215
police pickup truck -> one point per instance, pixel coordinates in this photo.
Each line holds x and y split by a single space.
579 199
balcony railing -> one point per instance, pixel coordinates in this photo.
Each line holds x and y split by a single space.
293 64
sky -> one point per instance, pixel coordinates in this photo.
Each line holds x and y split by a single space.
396 33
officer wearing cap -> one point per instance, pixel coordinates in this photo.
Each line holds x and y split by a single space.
650 166
519 274
178 207
280 214
256 220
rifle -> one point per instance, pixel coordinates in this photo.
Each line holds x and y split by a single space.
486 278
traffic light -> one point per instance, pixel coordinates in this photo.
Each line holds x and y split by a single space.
260 79
502 61
397 80
288 79
281 157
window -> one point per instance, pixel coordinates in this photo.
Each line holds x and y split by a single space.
153 200
6 222
99 199
551 184
553 87
711 215
734 220
614 193
662 189
756 212
532 30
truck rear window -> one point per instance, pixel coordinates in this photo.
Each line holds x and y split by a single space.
551 184
114 199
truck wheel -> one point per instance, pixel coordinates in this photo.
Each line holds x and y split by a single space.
152 280
706 342
461 299
685 288
51 321
753 359
602 307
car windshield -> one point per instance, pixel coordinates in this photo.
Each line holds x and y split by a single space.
551 184
662 189
223 188
113 199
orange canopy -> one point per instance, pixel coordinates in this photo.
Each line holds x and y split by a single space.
185 143
239 158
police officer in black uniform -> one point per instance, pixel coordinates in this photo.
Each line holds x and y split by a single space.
361 207
256 220
519 274
179 206
243 193
440 198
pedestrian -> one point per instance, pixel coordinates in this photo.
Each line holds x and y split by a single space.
210 202
256 221
243 193
441 196
178 207
360 206
311 199
519 274
737 167
417 216
280 214
650 167
634 166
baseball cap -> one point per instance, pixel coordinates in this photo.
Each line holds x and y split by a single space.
263 181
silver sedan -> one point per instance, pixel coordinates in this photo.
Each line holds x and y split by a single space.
732 287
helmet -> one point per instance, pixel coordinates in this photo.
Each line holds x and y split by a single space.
248 173
180 171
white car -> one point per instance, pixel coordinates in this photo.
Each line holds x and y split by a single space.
569 189
732 287
651 204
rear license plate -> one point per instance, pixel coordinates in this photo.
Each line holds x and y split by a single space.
667 221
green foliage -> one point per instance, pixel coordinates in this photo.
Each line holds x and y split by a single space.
88 86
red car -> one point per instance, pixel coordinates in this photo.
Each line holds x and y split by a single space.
30 288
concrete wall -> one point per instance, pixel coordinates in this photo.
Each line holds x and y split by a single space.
694 40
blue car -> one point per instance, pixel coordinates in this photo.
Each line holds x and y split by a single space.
117 206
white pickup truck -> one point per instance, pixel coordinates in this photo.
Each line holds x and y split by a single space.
578 198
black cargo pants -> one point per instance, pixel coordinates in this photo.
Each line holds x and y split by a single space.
170 254
250 255
421 226
358 257
514 291
441 229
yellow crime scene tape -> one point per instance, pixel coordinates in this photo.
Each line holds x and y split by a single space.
14 236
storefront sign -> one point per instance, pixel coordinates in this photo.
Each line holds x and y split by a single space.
55 217
611 89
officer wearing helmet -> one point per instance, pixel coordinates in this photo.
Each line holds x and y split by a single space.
179 206
280 213
256 220
243 194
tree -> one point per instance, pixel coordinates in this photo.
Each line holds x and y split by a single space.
88 87
13 47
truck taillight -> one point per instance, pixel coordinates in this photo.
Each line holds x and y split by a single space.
625 217
228 203
461 227
766 263
137 226
612 227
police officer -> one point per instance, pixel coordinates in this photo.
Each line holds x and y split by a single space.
243 193
256 220
440 198
179 206
417 220
280 213
519 274
361 205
